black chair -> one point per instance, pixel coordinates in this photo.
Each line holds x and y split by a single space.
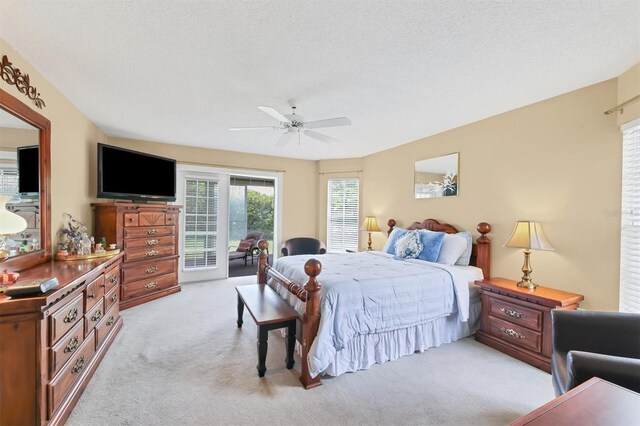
590 344
247 248
302 245
256 236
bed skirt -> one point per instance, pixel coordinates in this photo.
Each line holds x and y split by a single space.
363 351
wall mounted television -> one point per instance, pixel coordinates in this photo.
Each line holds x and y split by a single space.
133 175
28 171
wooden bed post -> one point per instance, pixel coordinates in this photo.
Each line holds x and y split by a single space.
310 321
262 261
391 223
484 249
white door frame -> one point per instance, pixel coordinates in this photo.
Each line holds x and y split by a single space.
278 179
218 271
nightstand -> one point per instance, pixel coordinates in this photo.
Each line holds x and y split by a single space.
517 321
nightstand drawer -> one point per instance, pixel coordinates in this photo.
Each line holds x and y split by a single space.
516 314
515 334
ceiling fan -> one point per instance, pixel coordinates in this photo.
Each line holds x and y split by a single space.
294 124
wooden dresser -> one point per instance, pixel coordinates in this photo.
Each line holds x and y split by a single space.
148 234
517 321
51 345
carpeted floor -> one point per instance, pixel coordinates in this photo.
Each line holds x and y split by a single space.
181 360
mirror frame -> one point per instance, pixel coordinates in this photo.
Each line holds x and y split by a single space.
18 109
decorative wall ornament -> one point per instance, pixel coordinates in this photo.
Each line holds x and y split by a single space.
14 76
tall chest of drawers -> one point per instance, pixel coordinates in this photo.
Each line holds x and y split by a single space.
51 345
517 321
149 235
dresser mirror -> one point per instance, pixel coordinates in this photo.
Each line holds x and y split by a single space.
25 138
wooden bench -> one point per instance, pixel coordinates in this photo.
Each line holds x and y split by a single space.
269 312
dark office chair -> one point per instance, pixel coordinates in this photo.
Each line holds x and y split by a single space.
595 344
302 245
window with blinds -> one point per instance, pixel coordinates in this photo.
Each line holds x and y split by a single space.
630 225
8 180
201 218
343 214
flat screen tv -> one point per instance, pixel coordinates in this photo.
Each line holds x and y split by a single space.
133 175
29 171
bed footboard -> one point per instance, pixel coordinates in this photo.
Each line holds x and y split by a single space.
310 294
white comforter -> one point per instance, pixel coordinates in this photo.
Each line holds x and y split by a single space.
371 292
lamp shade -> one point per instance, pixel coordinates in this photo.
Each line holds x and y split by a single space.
528 235
370 224
10 223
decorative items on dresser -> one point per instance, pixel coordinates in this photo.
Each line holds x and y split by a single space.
517 320
148 234
51 344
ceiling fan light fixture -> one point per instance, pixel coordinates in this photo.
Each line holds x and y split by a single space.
295 124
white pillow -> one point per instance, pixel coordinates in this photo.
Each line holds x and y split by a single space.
453 246
466 256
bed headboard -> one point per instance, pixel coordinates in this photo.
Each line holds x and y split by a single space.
481 253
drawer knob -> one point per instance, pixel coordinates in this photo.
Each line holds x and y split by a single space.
152 231
512 313
79 365
114 298
152 284
512 333
110 321
71 316
91 295
152 242
151 270
97 316
114 278
152 253
72 345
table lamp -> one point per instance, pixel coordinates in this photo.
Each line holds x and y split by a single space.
10 223
370 225
529 236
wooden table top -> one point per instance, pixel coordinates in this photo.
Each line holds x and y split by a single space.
543 295
595 402
68 274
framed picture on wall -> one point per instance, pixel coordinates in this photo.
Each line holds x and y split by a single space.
436 177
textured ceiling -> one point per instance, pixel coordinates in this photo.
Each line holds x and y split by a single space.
185 71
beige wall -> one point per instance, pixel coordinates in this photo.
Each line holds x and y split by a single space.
629 88
73 136
556 161
11 139
299 177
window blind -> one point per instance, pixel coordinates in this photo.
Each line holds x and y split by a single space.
630 224
201 219
8 180
343 214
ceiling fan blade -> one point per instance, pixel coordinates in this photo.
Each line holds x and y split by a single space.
320 136
284 139
275 114
329 122
235 129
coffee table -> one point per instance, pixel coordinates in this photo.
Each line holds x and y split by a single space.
595 402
